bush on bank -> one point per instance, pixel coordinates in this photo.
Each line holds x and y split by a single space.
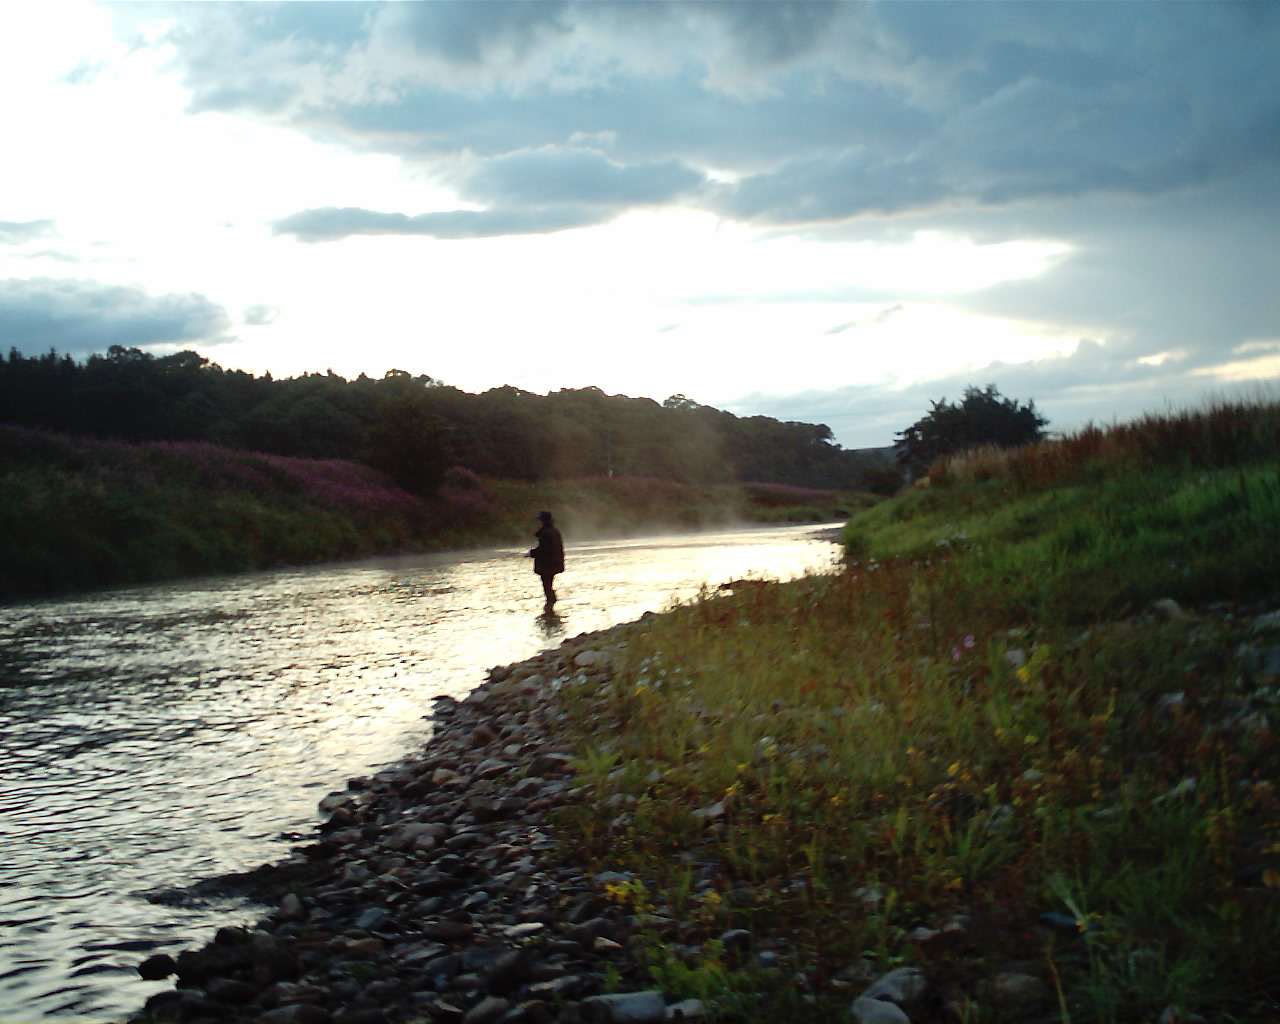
78 513
983 752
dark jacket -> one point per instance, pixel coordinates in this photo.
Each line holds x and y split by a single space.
548 556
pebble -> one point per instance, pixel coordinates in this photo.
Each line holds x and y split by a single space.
647 1007
866 1010
1013 990
487 1011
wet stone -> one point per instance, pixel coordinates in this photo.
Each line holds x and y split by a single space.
372 919
153 968
488 1011
646 1007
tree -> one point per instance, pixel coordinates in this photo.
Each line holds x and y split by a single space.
982 417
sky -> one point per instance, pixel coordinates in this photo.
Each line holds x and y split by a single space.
827 212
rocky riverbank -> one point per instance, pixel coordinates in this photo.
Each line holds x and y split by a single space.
436 889
442 889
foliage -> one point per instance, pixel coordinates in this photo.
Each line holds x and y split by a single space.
974 734
80 512
982 417
414 427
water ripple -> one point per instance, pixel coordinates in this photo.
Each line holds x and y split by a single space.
154 736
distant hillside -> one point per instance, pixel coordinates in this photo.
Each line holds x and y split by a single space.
415 428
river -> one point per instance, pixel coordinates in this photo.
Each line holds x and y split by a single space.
154 736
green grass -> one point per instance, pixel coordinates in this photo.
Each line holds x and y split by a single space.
978 719
1105 547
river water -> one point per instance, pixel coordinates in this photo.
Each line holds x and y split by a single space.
154 736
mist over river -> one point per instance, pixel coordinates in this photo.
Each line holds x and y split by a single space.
154 736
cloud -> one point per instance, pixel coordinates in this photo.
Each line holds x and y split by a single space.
1098 383
1144 137
877 318
79 317
15 232
529 192
260 316
327 224
825 111
555 175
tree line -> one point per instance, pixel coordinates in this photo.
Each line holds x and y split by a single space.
415 427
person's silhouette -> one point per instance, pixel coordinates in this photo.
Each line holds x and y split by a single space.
548 555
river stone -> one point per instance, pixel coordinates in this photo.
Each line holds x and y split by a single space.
296 1013
527 930
550 764
567 986
335 800
877 1011
491 768
487 1011
153 968
710 813
229 990
407 835
902 986
735 940
645 1007
372 919
291 908
589 659
1013 990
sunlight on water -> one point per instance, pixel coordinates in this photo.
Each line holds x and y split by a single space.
154 736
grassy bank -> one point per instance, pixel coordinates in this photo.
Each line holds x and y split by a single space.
78 513
983 752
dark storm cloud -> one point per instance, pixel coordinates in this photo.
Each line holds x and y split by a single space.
15 232
79 317
833 110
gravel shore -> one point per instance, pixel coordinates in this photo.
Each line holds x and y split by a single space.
435 889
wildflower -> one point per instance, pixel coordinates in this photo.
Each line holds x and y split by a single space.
968 642
1023 674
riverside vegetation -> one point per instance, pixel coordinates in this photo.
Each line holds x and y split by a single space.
82 512
1026 745
1016 763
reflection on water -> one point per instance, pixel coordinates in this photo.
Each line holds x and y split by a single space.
154 736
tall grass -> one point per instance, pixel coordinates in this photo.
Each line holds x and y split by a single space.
1224 432
1102 522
